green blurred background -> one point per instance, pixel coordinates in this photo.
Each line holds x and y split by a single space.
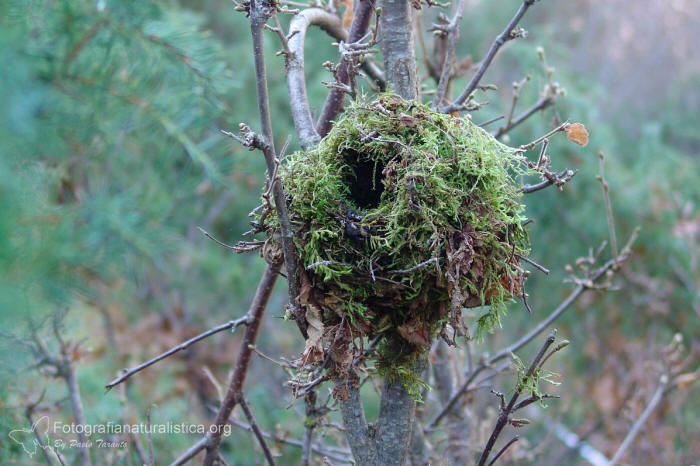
110 157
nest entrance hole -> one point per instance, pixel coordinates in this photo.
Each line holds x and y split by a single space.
364 178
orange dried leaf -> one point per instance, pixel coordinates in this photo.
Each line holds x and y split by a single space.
577 133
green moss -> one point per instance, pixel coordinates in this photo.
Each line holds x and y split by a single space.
394 185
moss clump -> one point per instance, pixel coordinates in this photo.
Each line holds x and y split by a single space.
402 218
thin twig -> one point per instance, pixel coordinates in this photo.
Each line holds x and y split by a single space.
151 460
506 411
502 38
309 425
257 309
334 100
608 204
525 339
503 450
294 442
655 399
256 429
541 104
191 452
539 267
452 30
231 324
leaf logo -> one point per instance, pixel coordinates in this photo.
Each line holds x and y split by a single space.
27 437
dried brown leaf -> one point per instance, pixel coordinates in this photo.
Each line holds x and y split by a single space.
313 349
415 332
577 133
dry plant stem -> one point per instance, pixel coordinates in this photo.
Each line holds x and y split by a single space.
78 413
502 38
232 324
259 15
296 82
341 456
541 104
396 42
256 429
608 204
334 100
151 459
504 413
452 30
525 339
559 178
655 399
64 368
45 449
191 452
235 389
503 450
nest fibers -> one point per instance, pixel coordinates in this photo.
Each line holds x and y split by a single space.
402 218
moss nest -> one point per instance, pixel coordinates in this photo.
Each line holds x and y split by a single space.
402 217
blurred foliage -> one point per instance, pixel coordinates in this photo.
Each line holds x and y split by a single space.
110 156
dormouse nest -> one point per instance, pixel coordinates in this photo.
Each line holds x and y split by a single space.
402 218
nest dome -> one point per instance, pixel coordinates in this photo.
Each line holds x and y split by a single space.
402 218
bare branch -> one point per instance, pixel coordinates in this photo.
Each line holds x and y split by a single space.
396 414
503 450
396 42
452 31
309 425
342 455
334 100
191 452
257 309
503 37
231 324
541 104
256 429
362 442
296 82
608 204
259 14
655 399
505 411
525 339
559 179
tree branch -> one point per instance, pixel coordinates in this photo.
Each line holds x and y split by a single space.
361 440
259 14
502 38
640 422
231 324
459 428
506 411
334 100
396 29
257 309
452 30
397 411
256 429
525 339
296 81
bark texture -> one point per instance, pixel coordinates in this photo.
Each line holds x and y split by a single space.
396 32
